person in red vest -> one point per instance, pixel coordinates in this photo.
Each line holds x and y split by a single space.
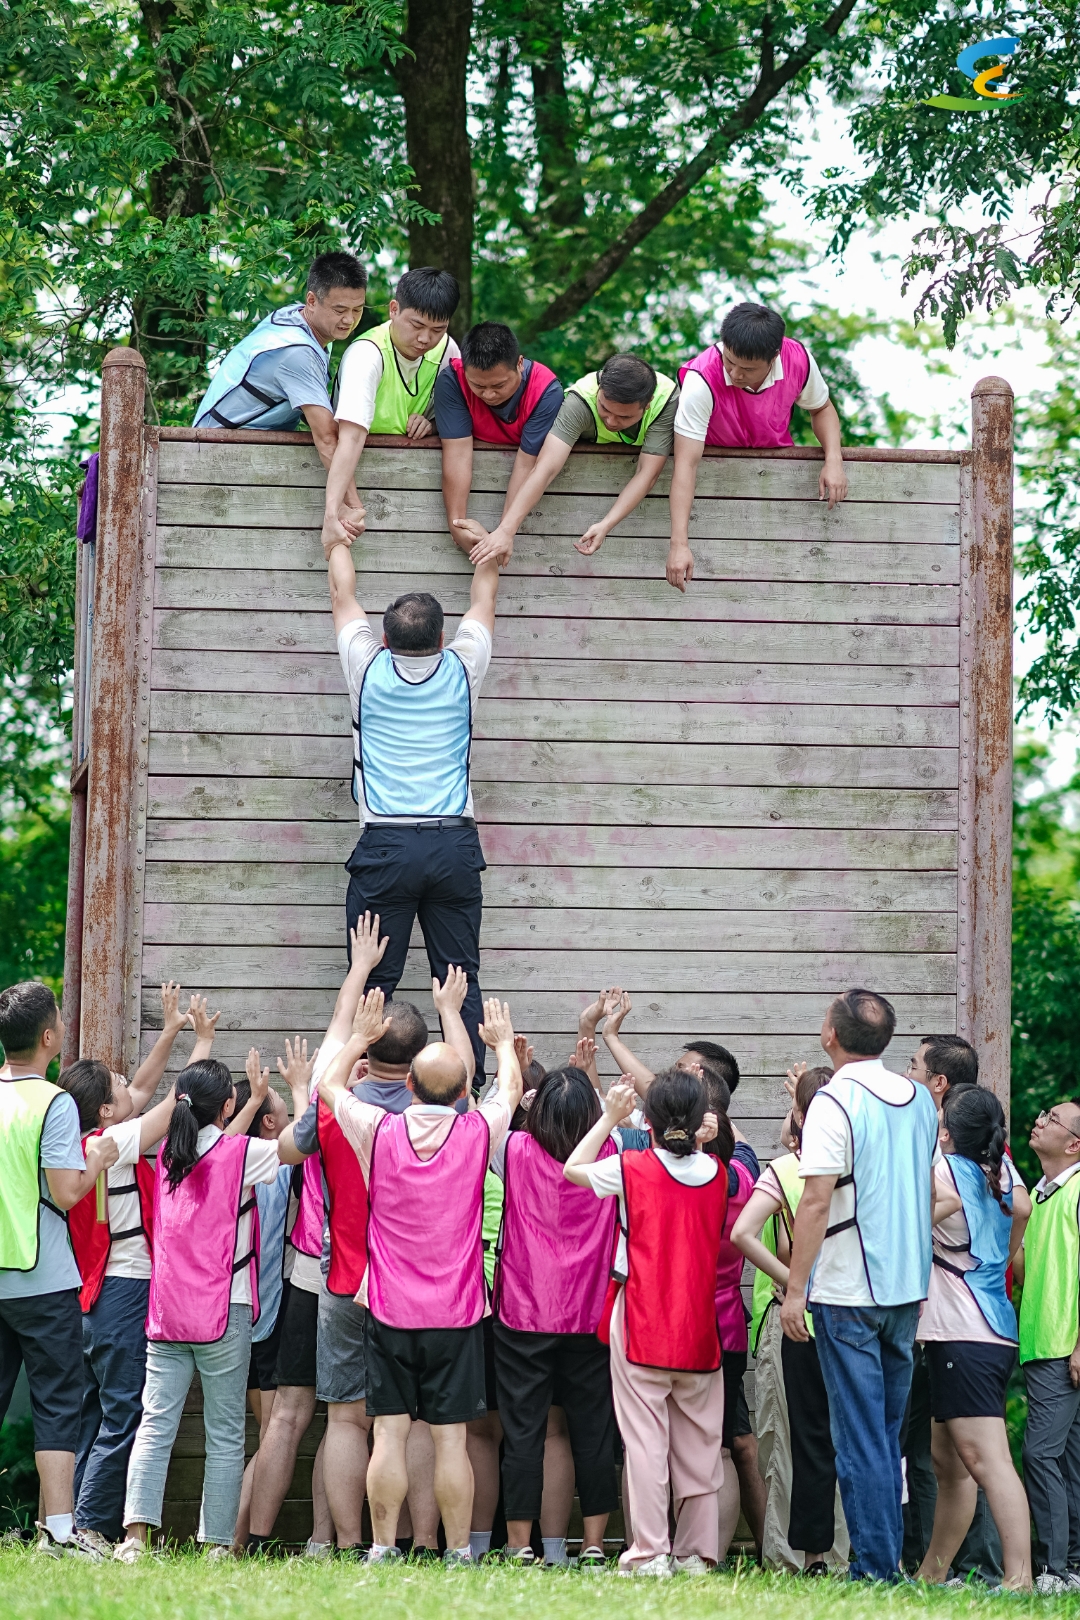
495 394
741 392
665 1342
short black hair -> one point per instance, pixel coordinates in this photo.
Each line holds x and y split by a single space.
563 1112
753 332
414 623
91 1085
434 293
864 1022
331 270
27 1010
243 1097
720 1058
953 1057
490 344
626 380
407 1035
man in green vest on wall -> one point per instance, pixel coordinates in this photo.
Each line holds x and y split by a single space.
627 402
386 381
1050 1348
42 1175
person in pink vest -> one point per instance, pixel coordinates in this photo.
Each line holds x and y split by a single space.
550 1286
492 393
740 393
425 1290
203 1299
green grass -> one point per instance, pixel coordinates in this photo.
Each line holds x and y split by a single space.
186 1588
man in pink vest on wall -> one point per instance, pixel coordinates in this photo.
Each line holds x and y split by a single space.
424 1289
740 393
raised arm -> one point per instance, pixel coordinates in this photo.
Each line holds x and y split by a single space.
296 1069
448 998
633 493
148 1075
259 1080
205 1026
618 1105
499 544
369 1025
340 480
483 595
497 1032
616 1007
341 574
367 949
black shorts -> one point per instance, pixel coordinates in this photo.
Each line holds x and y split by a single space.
488 1325
262 1368
44 1332
299 1320
736 1411
968 1378
435 1374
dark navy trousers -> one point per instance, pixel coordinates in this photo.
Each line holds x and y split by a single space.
114 1359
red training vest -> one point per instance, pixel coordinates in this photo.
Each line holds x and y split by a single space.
491 428
347 1205
673 1235
92 1239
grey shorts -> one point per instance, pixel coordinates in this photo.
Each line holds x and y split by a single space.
340 1365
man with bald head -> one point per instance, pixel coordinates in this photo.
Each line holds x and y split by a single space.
424 1288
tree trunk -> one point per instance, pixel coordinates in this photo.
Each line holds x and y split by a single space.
432 80
561 199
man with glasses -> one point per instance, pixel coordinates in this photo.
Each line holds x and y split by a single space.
944 1063
1050 1348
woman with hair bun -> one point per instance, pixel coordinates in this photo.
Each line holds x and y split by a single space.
665 1344
968 1331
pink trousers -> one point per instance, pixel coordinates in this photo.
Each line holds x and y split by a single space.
671 1425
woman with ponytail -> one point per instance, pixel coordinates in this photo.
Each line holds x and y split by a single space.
968 1332
665 1344
203 1296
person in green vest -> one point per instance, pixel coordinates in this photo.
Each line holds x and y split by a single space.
43 1174
1050 1347
626 402
804 1521
386 383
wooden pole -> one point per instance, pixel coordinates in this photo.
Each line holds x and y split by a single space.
985 1002
109 863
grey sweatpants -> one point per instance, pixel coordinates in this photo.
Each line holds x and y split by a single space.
1052 1461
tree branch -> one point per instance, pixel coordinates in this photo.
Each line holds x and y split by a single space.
771 81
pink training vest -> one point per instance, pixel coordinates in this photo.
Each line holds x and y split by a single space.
425 1244
194 1247
746 421
730 1315
556 1247
307 1232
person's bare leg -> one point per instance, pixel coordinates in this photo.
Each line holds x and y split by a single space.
322 1528
744 1454
983 1447
594 1529
482 1443
294 1408
345 1465
729 1502
262 1404
558 1499
423 1508
956 1497
453 1483
388 1477
56 1472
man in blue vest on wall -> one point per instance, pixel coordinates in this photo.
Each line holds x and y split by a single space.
412 700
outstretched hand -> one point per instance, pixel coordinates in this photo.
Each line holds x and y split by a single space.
680 566
172 1019
258 1076
620 1101
203 1023
617 1004
591 540
450 995
295 1068
497 1027
369 1023
523 1051
485 546
367 947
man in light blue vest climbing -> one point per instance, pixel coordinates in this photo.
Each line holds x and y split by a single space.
862 1244
412 698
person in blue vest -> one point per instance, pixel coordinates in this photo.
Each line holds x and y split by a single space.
412 698
863 1249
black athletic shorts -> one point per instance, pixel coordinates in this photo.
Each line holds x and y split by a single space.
262 1368
736 1411
44 1332
435 1374
968 1378
299 1320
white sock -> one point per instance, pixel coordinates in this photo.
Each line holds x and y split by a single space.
60 1526
479 1542
554 1549
377 1547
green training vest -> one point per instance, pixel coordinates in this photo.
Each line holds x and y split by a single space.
1048 1310
23 1106
765 1290
395 399
587 389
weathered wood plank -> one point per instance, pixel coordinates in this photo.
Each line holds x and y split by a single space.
510 971
747 478
705 847
557 608
548 929
666 889
554 803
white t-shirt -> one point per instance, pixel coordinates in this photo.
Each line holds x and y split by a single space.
696 400
606 1180
357 646
262 1164
360 374
839 1276
950 1311
130 1257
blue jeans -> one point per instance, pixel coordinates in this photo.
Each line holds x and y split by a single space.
866 1356
114 1362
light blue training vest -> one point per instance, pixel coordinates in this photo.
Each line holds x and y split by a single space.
893 1148
988 1244
272 1200
231 401
414 739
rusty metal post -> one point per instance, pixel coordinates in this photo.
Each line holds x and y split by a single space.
77 837
109 863
985 1016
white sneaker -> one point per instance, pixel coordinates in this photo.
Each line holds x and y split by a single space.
95 1539
130 1551
319 1551
216 1552
76 1546
383 1555
1050 1585
692 1565
658 1567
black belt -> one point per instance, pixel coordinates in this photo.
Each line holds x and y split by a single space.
429 821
